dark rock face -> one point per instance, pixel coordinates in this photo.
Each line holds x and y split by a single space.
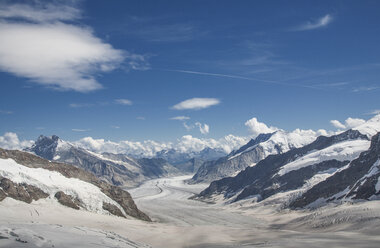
112 209
231 164
67 200
356 182
263 179
45 146
22 192
270 185
123 198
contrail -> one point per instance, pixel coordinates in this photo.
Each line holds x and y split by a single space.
239 77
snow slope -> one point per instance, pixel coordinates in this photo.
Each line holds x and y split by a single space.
347 150
52 182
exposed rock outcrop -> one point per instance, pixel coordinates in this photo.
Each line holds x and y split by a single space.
112 209
22 192
67 200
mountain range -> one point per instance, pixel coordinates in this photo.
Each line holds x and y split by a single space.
248 155
117 169
341 167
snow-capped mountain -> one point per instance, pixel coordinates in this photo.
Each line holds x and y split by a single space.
26 177
291 170
325 170
251 153
360 180
117 169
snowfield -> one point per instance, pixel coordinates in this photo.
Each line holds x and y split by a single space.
347 150
51 182
180 222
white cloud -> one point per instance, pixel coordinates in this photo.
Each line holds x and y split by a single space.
149 148
11 141
142 118
56 54
180 118
354 122
203 128
196 103
365 88
337 124
323 132
80 105
188 127
49 12
256 127
348 123
80 130
321 22
123 101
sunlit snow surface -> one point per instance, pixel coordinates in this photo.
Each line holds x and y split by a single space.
347 150
370 127
51 182
180 222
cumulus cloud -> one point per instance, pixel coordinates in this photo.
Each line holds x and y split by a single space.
256 127
196 103
36 44
123 101
348 123
11 141
319 23
337 124
354 122
180 118
203 128
149 148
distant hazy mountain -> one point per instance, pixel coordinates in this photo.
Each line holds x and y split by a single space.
328 169
251 153
117 169
26 177
176 157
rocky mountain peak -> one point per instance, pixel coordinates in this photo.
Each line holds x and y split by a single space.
253 142
45 146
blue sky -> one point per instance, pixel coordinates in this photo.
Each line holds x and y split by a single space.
115 69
